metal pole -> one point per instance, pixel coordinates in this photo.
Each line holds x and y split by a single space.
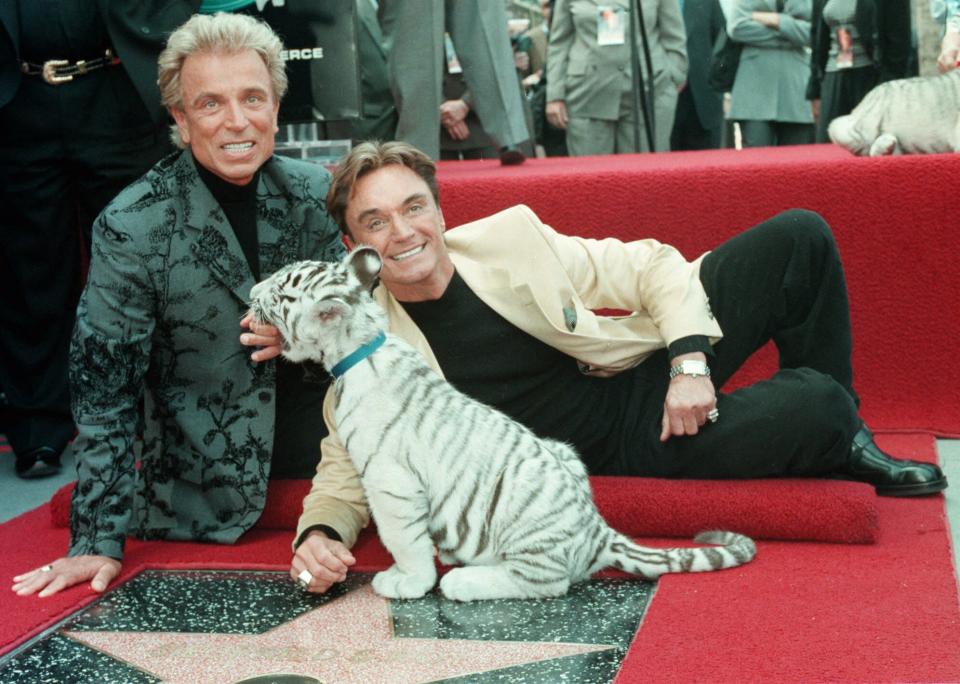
642 87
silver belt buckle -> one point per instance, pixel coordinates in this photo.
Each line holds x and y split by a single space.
49 72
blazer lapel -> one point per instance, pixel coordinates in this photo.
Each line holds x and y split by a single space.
512 298
368 17
216 246
402 325
280 230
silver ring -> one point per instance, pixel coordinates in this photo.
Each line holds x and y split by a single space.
304 579
46 568
713 415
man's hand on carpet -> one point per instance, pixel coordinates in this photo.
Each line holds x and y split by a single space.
326 560
66 572
261 335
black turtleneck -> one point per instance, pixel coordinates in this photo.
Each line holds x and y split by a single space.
239 203
488 358
299 401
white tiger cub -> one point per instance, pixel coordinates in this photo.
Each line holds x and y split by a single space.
441 469
911 115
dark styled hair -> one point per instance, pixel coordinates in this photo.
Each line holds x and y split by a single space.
370 156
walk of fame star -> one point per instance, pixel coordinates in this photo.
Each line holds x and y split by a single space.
218 626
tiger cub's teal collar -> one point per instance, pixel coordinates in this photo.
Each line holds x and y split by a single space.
358 355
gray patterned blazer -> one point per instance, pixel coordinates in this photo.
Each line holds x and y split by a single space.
159 321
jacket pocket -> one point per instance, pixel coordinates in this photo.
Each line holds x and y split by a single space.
576 67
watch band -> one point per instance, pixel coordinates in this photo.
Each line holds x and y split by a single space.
690 367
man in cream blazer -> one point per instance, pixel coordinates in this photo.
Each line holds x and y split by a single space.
692 325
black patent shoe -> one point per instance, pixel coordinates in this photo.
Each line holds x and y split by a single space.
37 463
891 476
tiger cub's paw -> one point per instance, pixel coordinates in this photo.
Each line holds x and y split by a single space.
886 144
466 584
394 584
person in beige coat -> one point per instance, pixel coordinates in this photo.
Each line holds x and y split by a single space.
502 307
589 74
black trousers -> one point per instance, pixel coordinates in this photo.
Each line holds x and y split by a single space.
783 281
775 133
689 132
840 92
65 152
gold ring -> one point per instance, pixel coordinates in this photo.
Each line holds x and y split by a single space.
304 579
46 568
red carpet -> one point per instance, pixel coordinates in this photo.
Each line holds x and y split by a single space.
800 612
805 510
892 217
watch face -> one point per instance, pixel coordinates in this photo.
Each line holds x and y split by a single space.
690 368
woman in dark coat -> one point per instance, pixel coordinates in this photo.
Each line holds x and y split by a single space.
856 44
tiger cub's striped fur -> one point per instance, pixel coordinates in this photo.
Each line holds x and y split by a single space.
910 115
442 470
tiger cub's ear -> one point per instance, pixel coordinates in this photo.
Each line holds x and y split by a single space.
330 310
365 262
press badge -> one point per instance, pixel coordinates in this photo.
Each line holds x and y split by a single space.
453 62
610 25
844 49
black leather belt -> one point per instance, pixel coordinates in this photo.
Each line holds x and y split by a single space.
59 71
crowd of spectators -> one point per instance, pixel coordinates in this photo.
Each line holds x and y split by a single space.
802 64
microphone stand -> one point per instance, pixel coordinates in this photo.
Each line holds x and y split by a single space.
642 88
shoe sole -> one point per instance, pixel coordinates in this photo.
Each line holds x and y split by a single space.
919 489
38 470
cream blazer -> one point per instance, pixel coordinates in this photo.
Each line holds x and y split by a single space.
546 284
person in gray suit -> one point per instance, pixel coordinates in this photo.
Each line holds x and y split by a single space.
699 121
414 32
378 114
768 97
174 258
589 76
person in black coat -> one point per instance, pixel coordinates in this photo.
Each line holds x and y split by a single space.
856 45
699 120
73 133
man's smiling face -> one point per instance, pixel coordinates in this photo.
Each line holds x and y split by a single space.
392 210
229 114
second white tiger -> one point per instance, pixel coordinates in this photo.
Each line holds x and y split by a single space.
906 116
440 469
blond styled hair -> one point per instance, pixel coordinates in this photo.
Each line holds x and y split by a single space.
370 156
222 33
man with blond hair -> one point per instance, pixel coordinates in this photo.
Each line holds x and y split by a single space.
174 258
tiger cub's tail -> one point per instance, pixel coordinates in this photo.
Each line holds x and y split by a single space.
732 550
